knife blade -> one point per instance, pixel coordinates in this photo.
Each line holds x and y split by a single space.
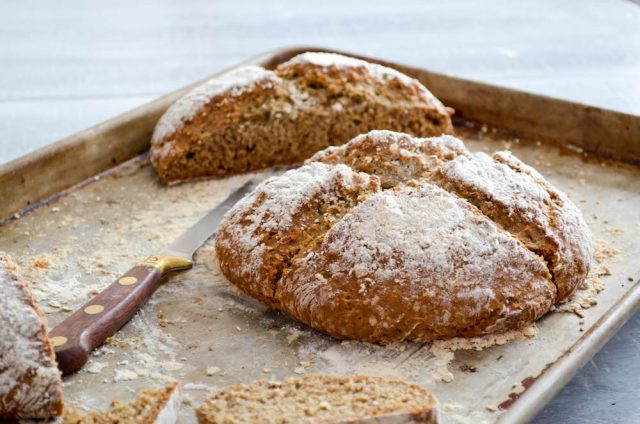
87 328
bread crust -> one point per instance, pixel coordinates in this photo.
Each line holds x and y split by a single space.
30 383
254 118
449 244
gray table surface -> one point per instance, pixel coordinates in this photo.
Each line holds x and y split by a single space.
65 66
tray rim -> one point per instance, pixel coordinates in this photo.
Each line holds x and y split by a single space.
126 136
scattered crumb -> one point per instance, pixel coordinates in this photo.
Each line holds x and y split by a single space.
115 341
293 335
450 407
171 365
41 263
530 332
95 367
122 374
212 371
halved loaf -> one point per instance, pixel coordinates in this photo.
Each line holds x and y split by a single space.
391 237
30 383
253 118
321 398
154 406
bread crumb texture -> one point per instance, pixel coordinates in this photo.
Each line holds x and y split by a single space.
252 118
30 384
153 406
391 237
320 398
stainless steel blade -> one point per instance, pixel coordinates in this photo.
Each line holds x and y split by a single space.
187 244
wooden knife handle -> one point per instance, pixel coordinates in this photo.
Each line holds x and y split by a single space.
106 313
101 317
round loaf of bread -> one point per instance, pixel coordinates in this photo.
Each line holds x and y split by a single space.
254 118
391 237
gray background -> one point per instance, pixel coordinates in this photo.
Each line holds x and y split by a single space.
65 66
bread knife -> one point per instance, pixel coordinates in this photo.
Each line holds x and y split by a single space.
87 328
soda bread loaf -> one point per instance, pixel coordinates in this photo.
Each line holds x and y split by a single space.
321 399
391 237
152 407
30 383
253 118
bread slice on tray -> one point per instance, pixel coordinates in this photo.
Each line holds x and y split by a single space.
30 383
154 406
319 398
253 118
391 237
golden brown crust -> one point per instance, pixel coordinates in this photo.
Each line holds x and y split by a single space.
563 237
283 117
30 383
509 192
439 251
416 263
269 236
319 398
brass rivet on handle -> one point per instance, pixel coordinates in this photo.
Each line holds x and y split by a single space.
58 340
93 309
127 281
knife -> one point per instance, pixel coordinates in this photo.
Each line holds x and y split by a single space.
87 328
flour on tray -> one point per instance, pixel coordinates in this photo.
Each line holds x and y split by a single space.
585 297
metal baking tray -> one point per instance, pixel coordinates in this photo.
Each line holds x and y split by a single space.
78 212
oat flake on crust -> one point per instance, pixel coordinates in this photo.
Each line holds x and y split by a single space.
30 384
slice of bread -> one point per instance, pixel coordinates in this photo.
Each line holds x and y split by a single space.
319 398
254 118
154 406
30 383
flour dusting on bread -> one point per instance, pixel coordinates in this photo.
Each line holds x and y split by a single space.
30 384
452 245
253 118
328 60
231 83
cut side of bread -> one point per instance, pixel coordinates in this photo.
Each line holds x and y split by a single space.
321 398
254 118
154 406
440 242
30 383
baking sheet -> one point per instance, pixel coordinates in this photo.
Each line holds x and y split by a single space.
200 329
